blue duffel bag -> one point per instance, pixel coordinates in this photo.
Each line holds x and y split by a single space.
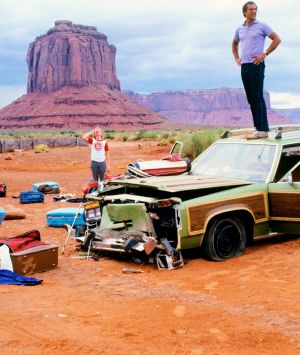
31 196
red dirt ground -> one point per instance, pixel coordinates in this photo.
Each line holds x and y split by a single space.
247 305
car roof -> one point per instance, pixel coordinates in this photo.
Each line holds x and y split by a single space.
278 135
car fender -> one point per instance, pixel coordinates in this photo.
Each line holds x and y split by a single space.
247 215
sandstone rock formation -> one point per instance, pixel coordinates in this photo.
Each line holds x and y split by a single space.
70 54
72 84
215 107
78 108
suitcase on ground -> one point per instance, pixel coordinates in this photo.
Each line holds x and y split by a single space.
61 216
2 189
2 214
31 196
52 184
37 259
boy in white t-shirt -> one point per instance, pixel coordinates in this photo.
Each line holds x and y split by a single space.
100 160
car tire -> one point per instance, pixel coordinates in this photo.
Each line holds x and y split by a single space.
224 239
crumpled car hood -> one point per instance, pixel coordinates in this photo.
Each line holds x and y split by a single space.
179 183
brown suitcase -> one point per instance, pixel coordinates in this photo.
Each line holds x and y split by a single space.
36 259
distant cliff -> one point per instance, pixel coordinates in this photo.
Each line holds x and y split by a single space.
292 113
214 107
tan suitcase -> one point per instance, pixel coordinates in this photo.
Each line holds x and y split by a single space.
36 259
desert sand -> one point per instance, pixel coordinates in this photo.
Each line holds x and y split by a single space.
246 305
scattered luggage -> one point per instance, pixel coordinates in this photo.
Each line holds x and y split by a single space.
2 189
51 184
160 167
66 215
29 254
37 259
172 164
23 241
47 189
31 196
90 187
14 213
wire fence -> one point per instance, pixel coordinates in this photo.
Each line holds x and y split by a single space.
10 145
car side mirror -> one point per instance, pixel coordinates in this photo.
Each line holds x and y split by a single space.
289 178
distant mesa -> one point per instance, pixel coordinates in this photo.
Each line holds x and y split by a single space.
222 107
71 55
72 83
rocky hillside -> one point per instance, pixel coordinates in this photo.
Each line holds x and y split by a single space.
72 83
214 107
78 108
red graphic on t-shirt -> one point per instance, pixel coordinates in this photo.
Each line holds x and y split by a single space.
98 146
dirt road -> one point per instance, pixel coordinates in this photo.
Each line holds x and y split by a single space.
247 305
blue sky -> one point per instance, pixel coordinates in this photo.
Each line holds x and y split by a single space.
161 44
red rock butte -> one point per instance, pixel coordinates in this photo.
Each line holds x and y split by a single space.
70 55
72 83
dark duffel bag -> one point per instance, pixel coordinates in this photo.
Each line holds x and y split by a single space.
31 196
47 189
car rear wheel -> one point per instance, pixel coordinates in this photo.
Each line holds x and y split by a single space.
225 238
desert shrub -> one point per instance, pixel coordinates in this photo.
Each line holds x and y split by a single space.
69 133
39 148
196 142
132 137
165 135
172 139
163 143
122 136
109 135
146 135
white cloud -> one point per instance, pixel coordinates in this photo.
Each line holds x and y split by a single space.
284 100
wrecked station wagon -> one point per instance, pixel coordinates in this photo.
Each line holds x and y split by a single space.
237 191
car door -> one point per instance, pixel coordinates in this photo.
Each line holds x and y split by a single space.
284 202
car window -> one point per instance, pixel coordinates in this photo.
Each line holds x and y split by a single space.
242 161
290 156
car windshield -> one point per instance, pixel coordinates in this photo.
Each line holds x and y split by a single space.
242 161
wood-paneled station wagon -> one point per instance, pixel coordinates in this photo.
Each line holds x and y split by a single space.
237 190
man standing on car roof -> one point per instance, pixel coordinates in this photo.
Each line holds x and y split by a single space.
250 37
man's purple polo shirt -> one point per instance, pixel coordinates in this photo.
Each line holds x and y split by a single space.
252 40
